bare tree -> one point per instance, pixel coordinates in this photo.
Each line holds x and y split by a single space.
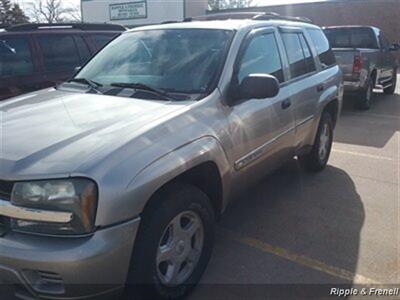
54 11
11 14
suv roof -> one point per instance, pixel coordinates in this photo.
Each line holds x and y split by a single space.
259 16
231 21
65 26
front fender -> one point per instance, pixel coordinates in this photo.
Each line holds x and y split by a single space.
159 172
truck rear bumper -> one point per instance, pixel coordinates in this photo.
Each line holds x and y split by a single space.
352 87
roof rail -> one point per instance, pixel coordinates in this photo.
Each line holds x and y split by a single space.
257 15
275 16
79 26
225 16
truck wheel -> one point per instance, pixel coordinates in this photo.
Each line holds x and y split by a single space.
317 159
365 96
391 89
173 246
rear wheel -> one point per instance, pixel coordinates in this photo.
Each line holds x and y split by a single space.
391 89
173 246
365 97
317 159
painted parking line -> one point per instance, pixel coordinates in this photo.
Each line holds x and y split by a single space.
375 115
299 259
363 154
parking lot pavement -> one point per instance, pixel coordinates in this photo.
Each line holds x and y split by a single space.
340 226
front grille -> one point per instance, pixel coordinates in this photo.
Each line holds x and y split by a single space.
6 189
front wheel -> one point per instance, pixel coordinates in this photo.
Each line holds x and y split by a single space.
173 246
317 159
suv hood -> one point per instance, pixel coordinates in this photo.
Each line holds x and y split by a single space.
55 132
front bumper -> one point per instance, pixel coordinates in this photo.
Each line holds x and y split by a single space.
61 268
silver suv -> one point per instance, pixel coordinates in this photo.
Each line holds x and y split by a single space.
116 178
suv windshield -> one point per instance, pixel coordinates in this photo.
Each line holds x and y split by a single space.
172 60
351 38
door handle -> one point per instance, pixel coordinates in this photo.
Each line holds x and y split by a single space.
286 103
320 87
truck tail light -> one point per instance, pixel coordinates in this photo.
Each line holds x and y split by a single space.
357 64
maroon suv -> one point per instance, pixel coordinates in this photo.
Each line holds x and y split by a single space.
36 56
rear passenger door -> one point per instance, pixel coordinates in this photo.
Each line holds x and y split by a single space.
303 82
59 57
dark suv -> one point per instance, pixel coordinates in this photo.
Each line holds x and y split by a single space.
36 56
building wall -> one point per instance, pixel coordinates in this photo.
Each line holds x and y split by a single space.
384 14
195 8
157 11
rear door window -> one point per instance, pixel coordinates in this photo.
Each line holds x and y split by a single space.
324 50
310 63
261 56
295 53
15 56
102 39
59 52
83 49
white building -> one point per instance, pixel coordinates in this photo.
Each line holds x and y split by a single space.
140 12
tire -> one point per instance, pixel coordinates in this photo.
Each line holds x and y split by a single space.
392 89
315 161
365 97
146 278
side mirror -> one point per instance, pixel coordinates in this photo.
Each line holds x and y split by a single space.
259 86
394 47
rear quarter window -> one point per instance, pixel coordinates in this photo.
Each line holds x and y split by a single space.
15 57
323 47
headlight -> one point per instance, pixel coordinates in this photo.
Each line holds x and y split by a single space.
52 199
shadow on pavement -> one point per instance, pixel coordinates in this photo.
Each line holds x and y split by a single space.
318 216
373 128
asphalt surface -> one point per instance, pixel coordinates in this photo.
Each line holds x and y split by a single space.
299 232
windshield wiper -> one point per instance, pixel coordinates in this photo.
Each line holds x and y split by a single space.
92 84
144 87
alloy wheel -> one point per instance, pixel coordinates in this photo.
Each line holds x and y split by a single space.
180 248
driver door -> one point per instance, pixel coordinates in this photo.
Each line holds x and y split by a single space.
262 129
